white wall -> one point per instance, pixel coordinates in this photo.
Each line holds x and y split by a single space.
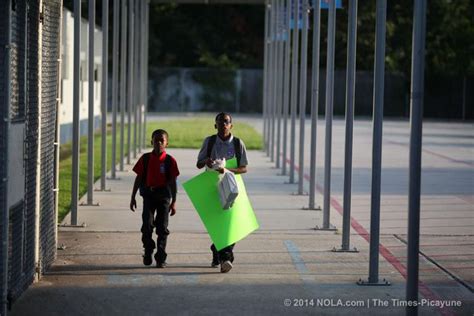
65 115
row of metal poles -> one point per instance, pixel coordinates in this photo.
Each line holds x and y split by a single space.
285 90
129 89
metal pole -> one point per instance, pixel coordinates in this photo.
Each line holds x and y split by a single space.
303 83
75 112
37 204
136 83
123 81
130 80
273 75
147 41
294 89
57 124
350 92
379 73
90 134
140 73
269 77
115 70
145 84
464 98
5 109
266 78
286 92
328 114
314 101
416 126
105 58
264 82
279 78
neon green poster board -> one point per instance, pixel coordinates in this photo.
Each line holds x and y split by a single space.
225 227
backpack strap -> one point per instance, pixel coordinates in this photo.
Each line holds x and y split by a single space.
238 154
210 145
168 169
146 158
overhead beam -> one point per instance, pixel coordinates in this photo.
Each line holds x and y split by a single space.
253 2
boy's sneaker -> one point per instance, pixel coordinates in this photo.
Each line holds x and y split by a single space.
215 257
161 265
226 266
147 260
214 263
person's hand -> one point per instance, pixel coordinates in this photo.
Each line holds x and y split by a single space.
133 204
172 209
221 170
209 162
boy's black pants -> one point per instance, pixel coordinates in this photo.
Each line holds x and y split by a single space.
222 255
155 215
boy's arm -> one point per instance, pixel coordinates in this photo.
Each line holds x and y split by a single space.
239 170
136 184
203 160
207 162
174 190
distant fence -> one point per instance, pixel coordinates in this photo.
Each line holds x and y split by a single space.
205 89
201 89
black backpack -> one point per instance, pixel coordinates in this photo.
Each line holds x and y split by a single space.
236 141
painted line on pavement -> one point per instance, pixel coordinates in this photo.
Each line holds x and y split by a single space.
422 287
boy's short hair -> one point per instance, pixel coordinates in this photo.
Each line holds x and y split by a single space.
159 132
222 115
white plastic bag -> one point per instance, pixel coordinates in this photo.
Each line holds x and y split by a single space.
228 190
218 164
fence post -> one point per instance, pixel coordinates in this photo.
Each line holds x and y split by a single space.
350 93
76 109
416 119
314 103
303 84
379 73
105 60
328 115
115 70
294 88
5 126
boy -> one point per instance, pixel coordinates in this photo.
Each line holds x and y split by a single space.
156 179
223 145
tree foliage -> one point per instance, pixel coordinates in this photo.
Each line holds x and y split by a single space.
220 36
231 36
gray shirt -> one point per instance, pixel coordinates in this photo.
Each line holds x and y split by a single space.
223 149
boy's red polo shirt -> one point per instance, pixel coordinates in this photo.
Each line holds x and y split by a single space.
156 174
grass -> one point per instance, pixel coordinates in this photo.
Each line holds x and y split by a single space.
184 133
65 168
190 133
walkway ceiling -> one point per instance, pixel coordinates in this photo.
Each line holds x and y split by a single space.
258 2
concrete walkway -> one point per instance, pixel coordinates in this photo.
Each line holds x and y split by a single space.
286 262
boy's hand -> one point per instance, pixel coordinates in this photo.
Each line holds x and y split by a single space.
133 204
209 162
172 209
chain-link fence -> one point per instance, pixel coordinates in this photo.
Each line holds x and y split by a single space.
49 93
3 136
31 140
21 272
31 108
